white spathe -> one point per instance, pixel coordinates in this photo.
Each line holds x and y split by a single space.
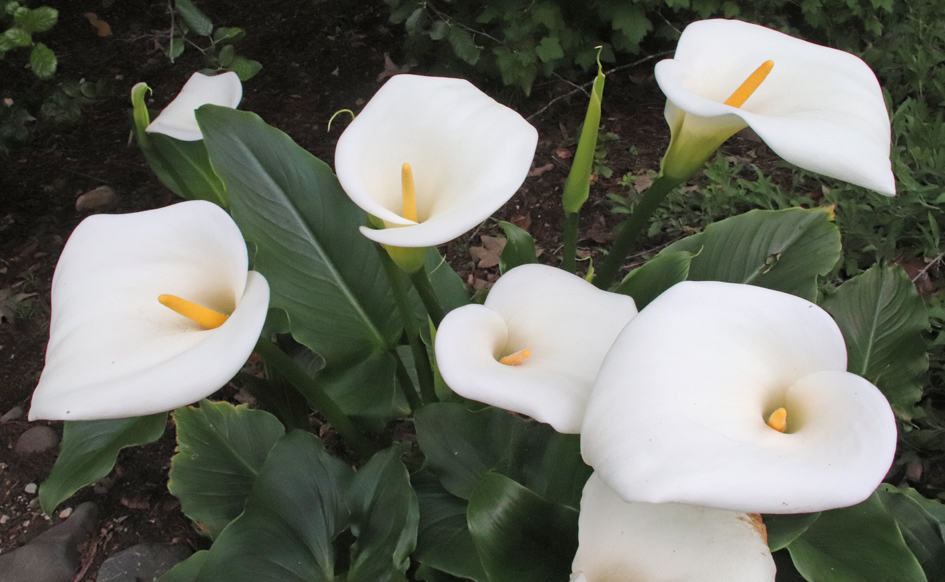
666 542
679 409
114 351
178 120
819 108
567 324
469 155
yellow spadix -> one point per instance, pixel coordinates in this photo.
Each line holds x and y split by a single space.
205 316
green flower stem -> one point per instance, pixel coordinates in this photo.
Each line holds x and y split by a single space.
421 282
315 394
631 229
403 378
569 253
411 330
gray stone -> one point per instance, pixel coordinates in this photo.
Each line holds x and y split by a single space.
99 198
15 413
52 556
36 440
142 563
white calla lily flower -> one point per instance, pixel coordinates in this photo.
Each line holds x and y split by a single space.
818 108
178 120
666 542
432 157
535 346
114 350
736 397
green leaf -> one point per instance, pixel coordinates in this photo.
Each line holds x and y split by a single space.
226 34
855 544
368 390
785 250
444 542
883 318
322 272
89 450
578 183
18 37
922 522
658 274
188 570
462 446
295 510
449 287
244 68
519 247
463 45
175 48
520 536
631 23
196 20
784 529
438 30
220 450
549 49
38 19
43 61
384 519
226 54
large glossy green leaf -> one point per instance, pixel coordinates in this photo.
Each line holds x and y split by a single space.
295 510
325 275
444 542
655 276
520 536
368 390
462 446
855 544
220 450
449 287
384 519
784 529
882 318
188 570
922 522
182 166
784 250
88 453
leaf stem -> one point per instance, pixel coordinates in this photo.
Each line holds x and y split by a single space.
421 282
630 230
312 390
569 253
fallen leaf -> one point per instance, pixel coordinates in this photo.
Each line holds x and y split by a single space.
488 254
102 28
598 231
523 221
540 170
563 153
391 68
642 182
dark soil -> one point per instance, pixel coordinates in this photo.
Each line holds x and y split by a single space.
318 57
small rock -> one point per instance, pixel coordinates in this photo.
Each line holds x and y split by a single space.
65 513
96 199
143 562
36 440
4 519
53 555
14 413
30 488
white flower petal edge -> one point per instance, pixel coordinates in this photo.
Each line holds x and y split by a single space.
820 108
469 155
178 120
666 542
566 323
114 351
678 413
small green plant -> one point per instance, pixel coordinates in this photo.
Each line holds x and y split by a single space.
220 51
21 24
